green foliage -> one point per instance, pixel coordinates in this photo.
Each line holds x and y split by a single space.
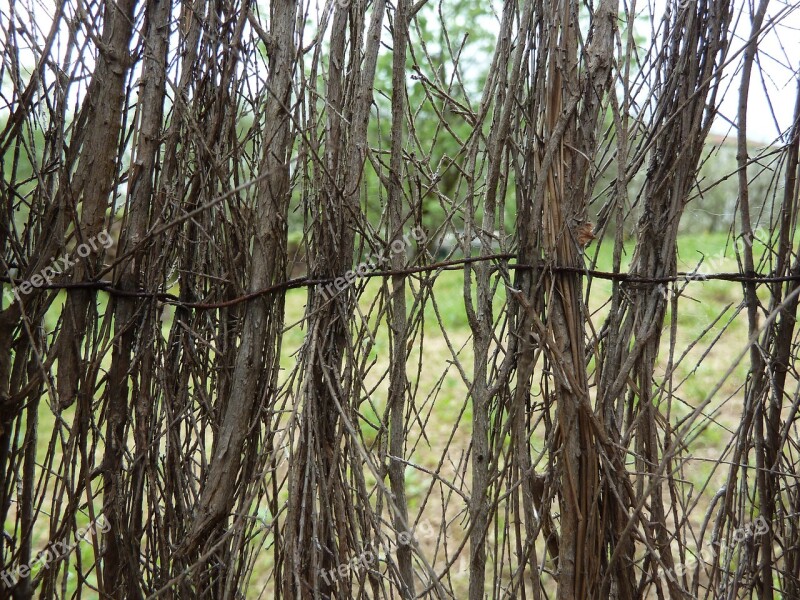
446 69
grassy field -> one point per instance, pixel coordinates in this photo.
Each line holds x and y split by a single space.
708 313
710 334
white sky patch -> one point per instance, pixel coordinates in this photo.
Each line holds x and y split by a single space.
773 86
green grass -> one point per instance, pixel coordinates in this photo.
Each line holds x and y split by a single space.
451 413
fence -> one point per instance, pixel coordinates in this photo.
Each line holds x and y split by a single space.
505 372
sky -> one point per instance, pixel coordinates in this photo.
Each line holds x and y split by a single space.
773 89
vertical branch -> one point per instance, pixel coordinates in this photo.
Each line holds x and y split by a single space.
754 389
561 191
696 37
506 70
398 381
783 358
319 528
95 180
257 357
124 511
